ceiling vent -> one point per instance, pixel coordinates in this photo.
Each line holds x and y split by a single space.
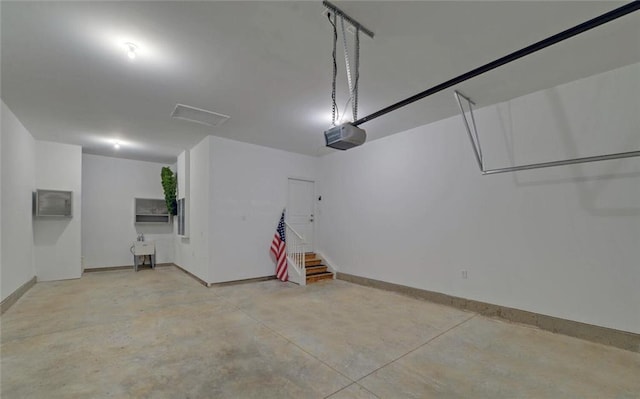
198 115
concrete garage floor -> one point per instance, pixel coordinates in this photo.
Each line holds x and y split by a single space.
159 334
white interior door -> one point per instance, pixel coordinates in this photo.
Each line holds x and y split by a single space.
300 213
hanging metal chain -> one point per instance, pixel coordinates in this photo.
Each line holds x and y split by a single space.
352 80
334 105
355 87
353 83
347 62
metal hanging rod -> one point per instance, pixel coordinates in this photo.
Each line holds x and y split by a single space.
475 144
583 27
346 17
540 165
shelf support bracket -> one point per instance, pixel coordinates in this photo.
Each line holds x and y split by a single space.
472 132
473 136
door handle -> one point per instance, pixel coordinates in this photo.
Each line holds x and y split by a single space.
311 220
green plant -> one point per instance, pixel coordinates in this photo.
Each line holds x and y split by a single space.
169 185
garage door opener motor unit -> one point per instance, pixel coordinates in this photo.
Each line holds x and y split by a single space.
345 136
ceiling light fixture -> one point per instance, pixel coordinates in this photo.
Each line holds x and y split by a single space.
131 50
116 145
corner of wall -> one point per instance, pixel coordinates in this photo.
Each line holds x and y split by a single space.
58 242
192 252
17 168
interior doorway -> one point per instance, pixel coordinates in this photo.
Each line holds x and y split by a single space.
300 209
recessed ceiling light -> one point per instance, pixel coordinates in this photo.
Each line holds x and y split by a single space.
131 50
116 145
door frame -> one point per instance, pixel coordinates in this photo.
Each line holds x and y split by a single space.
313 199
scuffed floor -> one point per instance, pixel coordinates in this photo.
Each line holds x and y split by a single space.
159 334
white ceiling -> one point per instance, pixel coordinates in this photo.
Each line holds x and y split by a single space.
66 76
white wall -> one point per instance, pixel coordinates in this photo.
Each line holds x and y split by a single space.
57 241
109 186
413 209
18 182
2 117
248 192
193 253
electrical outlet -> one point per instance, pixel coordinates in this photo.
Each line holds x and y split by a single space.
464 274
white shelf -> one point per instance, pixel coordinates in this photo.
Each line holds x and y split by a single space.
151 211
52 203
153 219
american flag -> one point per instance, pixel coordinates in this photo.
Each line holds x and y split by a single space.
279 250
